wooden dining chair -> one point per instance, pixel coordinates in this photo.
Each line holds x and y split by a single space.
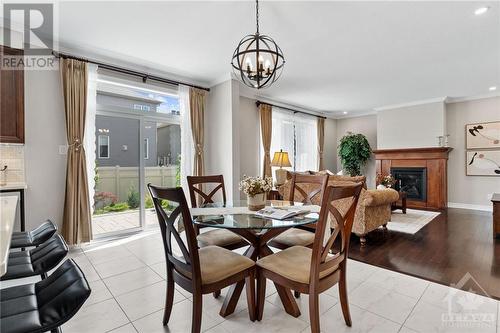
309 187
312 271
220 237
197 270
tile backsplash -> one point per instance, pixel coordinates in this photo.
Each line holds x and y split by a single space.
12 156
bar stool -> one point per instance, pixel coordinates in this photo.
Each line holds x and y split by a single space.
45 305
37 261
34 237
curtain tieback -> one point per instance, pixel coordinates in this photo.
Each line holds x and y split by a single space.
76 145
199 149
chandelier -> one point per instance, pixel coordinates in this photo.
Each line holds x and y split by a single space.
258 61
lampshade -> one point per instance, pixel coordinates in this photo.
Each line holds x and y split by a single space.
280 159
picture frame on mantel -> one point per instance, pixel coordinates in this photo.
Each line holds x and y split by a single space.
483 163
483 135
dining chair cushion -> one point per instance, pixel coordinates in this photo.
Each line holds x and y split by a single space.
217 263
294 236
218 237
293 263
34 237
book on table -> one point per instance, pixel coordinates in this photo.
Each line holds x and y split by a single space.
281 213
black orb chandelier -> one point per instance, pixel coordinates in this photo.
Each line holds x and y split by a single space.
258 61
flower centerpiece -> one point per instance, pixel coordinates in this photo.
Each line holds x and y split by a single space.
256 189
385 181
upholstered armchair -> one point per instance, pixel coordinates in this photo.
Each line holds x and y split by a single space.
373 209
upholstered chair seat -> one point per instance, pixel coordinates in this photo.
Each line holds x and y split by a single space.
293 263
295 236
37 261
34 237
218 237
217 263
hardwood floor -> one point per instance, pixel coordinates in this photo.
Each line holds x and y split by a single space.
455 243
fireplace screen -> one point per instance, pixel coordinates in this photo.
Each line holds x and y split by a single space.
413 181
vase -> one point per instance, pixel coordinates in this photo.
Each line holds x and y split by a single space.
381 187
256 202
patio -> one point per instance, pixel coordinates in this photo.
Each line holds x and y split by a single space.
113 222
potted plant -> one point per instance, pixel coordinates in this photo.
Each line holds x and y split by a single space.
256 189
354 152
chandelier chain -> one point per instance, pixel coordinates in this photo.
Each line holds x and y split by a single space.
257 14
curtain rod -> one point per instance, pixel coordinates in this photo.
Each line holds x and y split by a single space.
144 76
293 110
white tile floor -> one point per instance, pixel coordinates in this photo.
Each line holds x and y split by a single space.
127 278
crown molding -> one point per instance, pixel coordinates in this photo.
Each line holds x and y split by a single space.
414 103
451 100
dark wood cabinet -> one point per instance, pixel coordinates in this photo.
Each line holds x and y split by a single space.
11 100
496 214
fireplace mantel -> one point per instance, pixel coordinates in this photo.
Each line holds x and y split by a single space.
413 153
434 159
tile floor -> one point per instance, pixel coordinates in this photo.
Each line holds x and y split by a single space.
128 289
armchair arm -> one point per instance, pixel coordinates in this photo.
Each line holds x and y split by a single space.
380 197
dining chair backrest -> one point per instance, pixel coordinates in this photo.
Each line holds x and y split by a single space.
187 263
195 189
309 186
322 259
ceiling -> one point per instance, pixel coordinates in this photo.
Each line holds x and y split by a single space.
340 56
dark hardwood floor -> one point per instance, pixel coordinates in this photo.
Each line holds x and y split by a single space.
455 243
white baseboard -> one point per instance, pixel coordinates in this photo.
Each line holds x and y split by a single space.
469 206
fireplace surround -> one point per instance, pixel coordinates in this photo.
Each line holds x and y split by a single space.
433 165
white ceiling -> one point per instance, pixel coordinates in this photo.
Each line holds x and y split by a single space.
340 56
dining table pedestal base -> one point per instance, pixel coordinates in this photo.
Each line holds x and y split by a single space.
258 249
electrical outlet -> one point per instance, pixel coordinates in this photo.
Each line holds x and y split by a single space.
63 150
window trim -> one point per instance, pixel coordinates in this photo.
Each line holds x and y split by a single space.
99 145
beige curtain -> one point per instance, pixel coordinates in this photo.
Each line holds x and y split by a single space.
266 127
77 217
321 143
197 99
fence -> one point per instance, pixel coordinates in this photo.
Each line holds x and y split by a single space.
120 180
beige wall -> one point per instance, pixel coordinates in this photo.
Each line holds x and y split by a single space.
330 148
45 131
249 133
366 125
462 189
411 127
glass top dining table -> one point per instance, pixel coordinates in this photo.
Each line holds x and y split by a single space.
257 232
235 215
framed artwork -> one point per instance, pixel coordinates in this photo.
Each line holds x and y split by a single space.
483 135
483 163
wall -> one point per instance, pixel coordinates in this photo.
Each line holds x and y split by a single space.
219 134
249 133
330 146
472 191
45 131
411 127
366 125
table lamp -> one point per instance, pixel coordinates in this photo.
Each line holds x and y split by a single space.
280 160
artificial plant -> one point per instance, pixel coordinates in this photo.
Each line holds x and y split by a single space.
354 151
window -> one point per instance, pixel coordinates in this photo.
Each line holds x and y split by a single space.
297 135
146 149
103 142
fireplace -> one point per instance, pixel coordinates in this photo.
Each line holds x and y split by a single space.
413 181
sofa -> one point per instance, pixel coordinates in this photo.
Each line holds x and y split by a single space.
374 206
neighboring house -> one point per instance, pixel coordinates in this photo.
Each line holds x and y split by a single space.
117 138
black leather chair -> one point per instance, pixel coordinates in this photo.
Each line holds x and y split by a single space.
34 237
45 305
37 261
